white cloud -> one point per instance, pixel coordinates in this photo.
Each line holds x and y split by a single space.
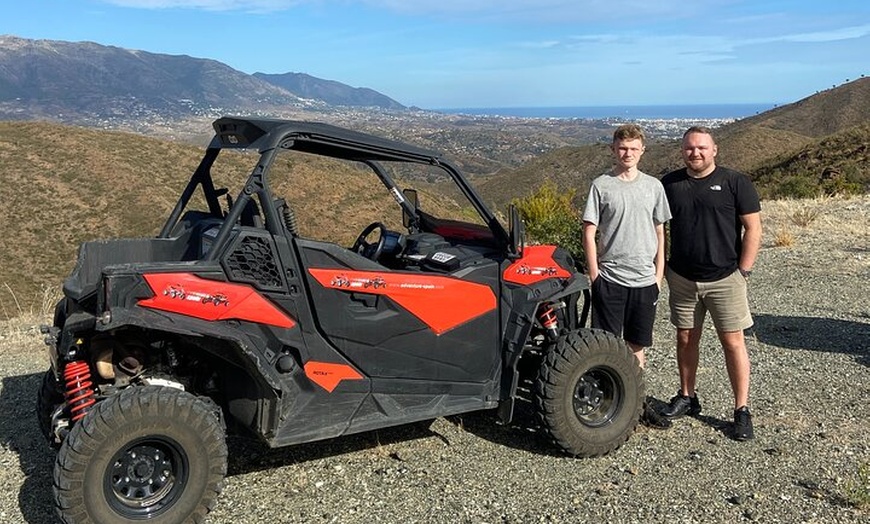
210 5
543 44
845 33
515 10
552 10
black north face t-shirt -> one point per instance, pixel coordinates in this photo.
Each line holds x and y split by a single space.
706 232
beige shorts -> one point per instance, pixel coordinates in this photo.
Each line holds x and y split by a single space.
726 299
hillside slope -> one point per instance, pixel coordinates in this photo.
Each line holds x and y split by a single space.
771 142
818 115
329 91
840 161
69 184
566 167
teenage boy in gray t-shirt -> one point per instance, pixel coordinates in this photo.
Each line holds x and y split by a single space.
627 210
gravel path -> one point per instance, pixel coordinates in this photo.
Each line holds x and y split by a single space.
810 353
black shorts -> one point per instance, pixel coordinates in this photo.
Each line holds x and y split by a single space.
629 312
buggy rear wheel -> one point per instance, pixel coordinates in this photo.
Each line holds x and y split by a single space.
589 392
149 453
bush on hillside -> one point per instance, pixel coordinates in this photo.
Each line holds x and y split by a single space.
551 218
849 180
795 187
804 185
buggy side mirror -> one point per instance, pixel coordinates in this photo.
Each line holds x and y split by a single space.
517 233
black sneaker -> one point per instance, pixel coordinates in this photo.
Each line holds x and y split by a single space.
653 419
682 405
743 424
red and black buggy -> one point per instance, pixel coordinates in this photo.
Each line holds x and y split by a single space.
233 320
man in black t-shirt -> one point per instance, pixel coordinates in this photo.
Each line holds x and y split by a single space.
715 235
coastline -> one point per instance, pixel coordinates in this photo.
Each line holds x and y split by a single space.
633 112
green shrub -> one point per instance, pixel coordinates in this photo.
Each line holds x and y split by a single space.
796 187
858 489
840 187
805 183
551 218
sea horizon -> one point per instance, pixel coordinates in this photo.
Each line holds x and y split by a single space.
626 112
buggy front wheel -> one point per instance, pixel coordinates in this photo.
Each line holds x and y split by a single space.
589 392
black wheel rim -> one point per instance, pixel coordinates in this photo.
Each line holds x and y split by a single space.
146 477
597 397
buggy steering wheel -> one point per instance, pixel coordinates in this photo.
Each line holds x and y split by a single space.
370 250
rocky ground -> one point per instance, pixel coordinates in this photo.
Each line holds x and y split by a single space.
810 461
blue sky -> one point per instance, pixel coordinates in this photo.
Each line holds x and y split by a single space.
495 53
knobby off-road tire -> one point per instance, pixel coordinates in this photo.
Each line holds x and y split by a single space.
49 397
149 453
589 393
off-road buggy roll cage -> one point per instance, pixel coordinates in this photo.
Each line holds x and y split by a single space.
269 136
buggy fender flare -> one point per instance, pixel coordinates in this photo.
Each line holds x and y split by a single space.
520 328
576 284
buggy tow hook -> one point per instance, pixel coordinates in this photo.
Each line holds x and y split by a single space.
51 334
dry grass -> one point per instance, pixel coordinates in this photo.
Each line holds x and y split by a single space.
20 332
805 216
23 327
803 211
828 215
841 227
40 306
783 238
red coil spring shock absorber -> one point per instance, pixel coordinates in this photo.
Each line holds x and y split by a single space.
547 318
79 393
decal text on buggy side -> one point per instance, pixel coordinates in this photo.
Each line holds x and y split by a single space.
327 374
190 295
536 264
442 303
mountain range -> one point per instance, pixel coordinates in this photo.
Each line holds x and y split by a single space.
65 81
330 91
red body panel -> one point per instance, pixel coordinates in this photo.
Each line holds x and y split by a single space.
190 295
442 303
536 264
327 374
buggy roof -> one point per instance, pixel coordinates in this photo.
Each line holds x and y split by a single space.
264 134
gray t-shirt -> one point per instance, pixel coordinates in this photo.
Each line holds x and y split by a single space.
626 213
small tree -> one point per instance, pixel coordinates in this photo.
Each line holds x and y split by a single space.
550 217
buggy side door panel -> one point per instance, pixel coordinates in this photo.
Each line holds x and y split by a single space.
405 324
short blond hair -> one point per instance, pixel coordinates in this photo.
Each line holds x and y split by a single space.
628 132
